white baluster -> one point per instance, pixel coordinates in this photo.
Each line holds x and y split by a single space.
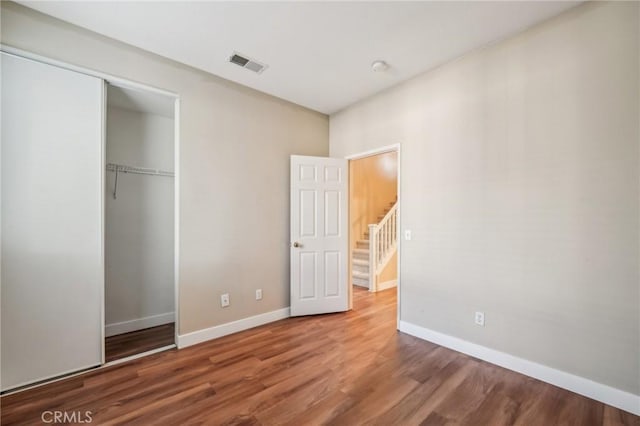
372 256
381 246
381 251
394 226
388 226
386 237
382 243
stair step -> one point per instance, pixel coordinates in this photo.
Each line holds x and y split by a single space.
362 244
360 282
360 253
360 268
360 265
360 275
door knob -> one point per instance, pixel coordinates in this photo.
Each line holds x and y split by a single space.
297 244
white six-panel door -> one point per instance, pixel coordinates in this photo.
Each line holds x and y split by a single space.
52 277
319 235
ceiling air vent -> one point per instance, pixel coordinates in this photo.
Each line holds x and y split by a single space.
247 63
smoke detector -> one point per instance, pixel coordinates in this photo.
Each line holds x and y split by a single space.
245 62
379 66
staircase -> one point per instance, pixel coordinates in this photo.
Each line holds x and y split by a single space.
382 237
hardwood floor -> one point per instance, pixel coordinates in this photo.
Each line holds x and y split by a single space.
342 369
136 342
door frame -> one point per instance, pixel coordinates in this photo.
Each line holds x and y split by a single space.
128 84
382 150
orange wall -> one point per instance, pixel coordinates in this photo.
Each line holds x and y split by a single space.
390 272
373 186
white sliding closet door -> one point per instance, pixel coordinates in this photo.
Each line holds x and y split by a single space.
52 200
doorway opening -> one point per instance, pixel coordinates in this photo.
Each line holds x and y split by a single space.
345 223
140 305
374 221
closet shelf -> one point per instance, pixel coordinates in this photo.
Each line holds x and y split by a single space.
121 168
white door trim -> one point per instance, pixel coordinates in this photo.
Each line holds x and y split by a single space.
176 219
376 151
103 222
381 150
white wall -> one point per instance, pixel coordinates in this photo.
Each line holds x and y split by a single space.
234 153
520 184
139 223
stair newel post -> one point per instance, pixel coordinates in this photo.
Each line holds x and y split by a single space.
373 256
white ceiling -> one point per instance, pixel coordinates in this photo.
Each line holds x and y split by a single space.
319 53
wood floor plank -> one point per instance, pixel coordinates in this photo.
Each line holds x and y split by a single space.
325 410
340 369
420 404
376 401
136 342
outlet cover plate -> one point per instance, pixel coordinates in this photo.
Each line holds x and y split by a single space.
224 300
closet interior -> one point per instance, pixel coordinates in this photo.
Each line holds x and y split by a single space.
139 223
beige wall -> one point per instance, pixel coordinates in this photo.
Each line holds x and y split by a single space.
520 184
234 168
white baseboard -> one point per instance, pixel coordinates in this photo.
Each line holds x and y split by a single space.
138 324
200 336
615 397
387 284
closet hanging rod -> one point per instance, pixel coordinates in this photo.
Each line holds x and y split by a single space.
121 168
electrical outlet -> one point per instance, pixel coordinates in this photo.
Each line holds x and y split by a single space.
407 234
480 318
259 294
224 300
